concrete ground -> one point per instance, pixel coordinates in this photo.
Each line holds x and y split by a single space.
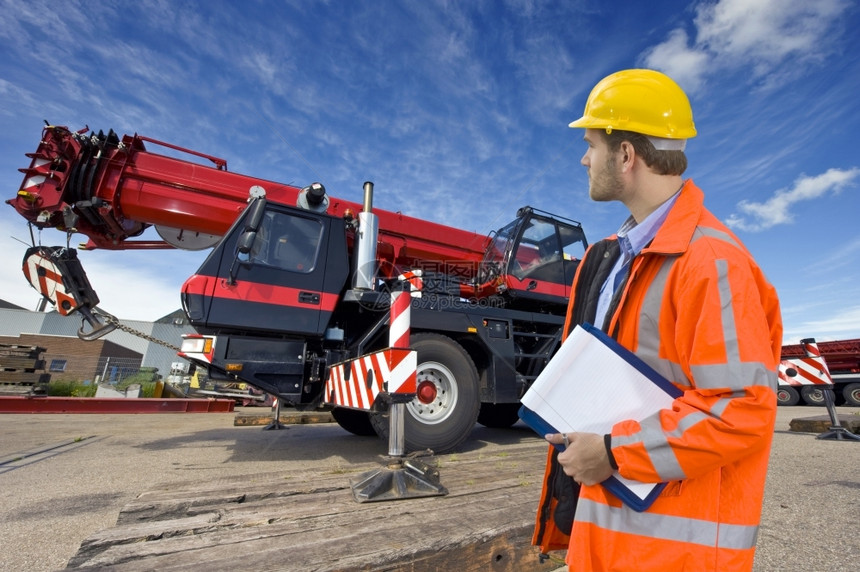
64 477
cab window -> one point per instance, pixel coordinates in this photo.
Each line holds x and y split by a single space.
287 242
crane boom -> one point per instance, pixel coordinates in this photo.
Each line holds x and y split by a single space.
112 188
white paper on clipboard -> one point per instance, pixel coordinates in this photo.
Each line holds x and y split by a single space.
592 383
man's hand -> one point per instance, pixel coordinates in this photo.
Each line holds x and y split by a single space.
585 457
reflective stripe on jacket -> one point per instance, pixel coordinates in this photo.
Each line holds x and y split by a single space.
697 308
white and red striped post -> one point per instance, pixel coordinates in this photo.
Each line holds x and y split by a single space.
398 332
398 337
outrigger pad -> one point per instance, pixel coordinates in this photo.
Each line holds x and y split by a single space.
399 479
839 433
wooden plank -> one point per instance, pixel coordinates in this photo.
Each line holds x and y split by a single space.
822 423
308 520
287 417
309 540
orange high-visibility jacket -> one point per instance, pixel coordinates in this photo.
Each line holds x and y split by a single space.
696 308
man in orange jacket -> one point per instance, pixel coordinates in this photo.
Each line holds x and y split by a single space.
677 288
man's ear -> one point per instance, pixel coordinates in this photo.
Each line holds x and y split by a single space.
627 154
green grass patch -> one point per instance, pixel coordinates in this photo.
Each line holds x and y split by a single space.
70 389
79 389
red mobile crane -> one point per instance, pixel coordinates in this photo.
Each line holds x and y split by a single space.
802 377
294 296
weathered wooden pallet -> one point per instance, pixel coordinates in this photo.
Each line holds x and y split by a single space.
22 382
16 388
25 363
20 351
29 377
18 369
309 521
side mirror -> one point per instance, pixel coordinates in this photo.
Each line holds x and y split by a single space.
249 235
246 241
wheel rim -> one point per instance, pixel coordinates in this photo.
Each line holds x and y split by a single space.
436 396
815 396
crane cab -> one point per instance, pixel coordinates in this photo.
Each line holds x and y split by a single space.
265 293
531 261
278 270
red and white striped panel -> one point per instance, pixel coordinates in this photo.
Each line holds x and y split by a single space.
45 277
810 371
367 374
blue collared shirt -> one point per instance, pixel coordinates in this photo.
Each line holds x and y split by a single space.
632 238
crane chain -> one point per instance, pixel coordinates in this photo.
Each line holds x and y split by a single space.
114 321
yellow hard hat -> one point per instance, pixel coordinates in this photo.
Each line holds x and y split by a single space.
642 101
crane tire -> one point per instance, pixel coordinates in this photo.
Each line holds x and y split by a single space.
813 395
851 393
499 415
353 420
444 412
787 395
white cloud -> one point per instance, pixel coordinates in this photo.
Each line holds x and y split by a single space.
263 67
740 34
777 209
845 324
765 31
13 286
685 65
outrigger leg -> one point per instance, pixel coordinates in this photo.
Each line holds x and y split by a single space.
275 423
401 476
836 432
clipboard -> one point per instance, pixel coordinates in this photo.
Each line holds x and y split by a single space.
564 398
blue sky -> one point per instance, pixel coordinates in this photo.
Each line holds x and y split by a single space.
458 112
